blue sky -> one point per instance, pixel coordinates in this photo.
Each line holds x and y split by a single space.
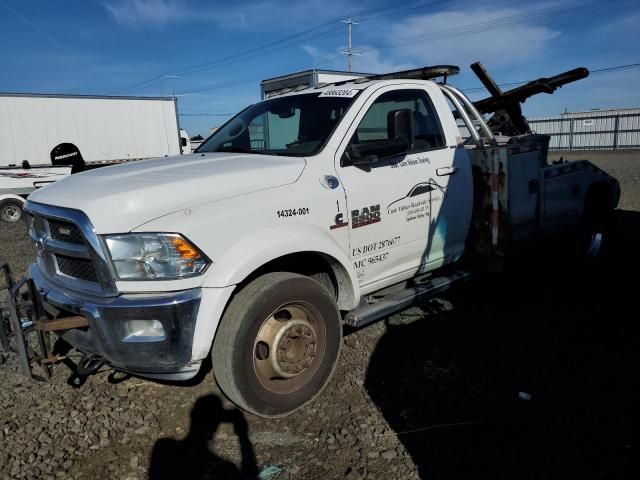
207 50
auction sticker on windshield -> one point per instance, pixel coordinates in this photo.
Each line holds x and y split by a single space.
339 92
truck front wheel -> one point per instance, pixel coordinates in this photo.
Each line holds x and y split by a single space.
277 344
10 210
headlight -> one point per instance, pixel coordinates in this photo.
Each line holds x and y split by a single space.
155 256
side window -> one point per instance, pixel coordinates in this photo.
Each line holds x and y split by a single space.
428 133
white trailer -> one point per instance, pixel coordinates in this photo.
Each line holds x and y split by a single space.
87 131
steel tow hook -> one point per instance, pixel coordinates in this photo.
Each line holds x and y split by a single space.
89 364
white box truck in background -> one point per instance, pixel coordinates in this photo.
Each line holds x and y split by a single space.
46 137
306 79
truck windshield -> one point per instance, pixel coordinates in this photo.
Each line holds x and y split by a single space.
297 125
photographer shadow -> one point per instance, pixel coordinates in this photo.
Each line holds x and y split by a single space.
193 458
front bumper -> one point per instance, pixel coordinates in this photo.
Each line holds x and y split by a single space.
109 333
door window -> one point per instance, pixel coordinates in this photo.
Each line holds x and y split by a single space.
428 133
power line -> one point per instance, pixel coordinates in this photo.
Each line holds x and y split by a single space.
620 67
268 48
486 26
617 68
397 11
33 26
240 56
250 78
464 30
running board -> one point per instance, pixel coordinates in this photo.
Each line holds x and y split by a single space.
392 299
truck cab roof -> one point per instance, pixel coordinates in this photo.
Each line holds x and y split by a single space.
310 81
346 86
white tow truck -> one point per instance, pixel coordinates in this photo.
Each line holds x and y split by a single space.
318 207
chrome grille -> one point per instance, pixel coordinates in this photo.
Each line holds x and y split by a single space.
70 253
77 268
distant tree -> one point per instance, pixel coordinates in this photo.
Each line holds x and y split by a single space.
197 138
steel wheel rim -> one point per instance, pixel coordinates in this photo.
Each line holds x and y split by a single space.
10 213
289 347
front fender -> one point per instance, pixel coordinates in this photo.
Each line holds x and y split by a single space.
259 248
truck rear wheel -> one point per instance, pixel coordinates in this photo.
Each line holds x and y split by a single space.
277 344
10 210
596 224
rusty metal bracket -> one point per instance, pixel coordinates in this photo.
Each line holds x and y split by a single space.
66 323
21 316
7 284
26 314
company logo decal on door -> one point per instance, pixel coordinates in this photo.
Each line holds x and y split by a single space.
365 216
359 218
415 208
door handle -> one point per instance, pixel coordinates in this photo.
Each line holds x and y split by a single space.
443 171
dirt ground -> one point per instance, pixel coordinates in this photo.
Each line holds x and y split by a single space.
525 375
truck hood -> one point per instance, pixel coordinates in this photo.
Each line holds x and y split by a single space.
122 197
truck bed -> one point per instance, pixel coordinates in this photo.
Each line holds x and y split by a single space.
521 199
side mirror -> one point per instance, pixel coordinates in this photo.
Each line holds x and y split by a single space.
399 141
400 124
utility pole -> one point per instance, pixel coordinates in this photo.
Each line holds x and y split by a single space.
349 51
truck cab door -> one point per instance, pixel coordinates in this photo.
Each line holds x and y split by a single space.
394 203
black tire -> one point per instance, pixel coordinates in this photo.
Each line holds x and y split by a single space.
277 344
10 210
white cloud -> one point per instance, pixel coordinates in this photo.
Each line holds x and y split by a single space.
624 25
515 44
239 15
496 46
374 62
311 50
132 13
159 13
369 62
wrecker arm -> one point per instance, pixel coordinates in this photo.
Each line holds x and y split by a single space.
506 106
